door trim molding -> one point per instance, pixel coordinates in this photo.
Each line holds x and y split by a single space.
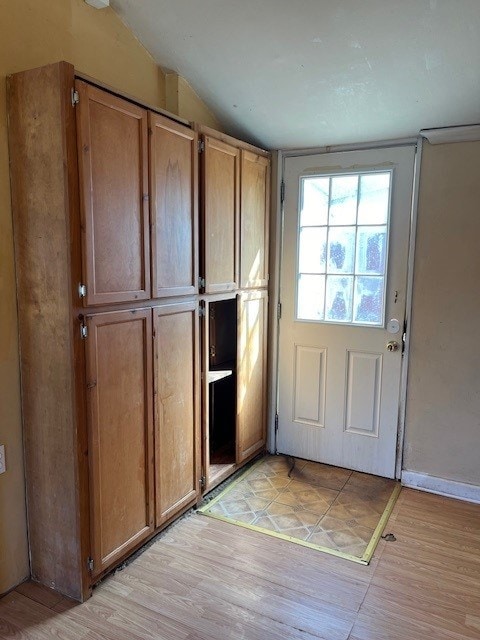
276 246
359 146
402 408
444 135
441 486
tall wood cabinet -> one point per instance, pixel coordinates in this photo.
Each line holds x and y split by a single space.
105 198
235 183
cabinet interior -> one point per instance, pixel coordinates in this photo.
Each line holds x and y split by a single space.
222 386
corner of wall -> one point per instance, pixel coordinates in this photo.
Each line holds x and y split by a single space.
171 92
191 106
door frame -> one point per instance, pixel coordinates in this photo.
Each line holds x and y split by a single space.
276 252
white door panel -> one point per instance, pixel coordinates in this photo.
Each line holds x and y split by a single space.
338 383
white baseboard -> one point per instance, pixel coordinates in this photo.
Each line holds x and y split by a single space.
441 486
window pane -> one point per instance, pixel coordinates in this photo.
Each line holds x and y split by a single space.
371 250
314 201
343 200
341 249
368 300
312 251
311 297
374 198
339 298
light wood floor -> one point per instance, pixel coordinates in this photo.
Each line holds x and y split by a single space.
209 580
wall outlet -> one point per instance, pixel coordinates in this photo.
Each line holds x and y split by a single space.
3 466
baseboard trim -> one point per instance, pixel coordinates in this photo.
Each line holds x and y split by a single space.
441 486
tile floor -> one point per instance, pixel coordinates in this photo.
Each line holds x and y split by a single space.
327 506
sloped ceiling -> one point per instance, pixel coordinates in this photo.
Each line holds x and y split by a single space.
304 73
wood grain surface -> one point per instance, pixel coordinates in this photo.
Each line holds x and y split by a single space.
120 424
221 201
43 194
254 220
206 579
176 405
112 138
174 207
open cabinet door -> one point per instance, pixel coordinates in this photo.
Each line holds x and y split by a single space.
252 374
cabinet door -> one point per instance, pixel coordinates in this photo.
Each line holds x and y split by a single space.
119 397
177 440
221 174
174 194
251 374
254 220
112 150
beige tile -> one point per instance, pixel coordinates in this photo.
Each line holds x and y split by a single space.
256 503
268 494
278 509
301 533
308 493
322 539
333 508
323 475
287 521
308 518
355 535
266 523
247 518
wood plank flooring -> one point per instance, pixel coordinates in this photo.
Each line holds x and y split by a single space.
208 580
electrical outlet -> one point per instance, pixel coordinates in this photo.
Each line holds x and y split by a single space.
3 466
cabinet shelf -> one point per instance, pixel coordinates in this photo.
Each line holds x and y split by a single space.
215 376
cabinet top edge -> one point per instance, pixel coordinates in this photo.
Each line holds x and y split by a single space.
224 137
199 128
130 98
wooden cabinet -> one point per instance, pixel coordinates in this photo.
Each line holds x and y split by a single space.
234 387
177 441
113 169
235 213
174 207
251 373
105 194
119 402
254 220
220 215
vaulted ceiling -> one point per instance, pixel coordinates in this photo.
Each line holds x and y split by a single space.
304 73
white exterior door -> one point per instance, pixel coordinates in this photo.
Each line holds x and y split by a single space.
343 292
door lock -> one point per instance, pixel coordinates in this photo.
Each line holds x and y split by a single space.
392 345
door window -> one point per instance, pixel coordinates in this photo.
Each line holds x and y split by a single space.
342 248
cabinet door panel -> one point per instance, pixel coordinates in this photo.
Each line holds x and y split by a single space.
174 193
177 441
221 173
251 374
112 150
254 220
119 383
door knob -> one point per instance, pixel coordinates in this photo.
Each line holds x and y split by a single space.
392 345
